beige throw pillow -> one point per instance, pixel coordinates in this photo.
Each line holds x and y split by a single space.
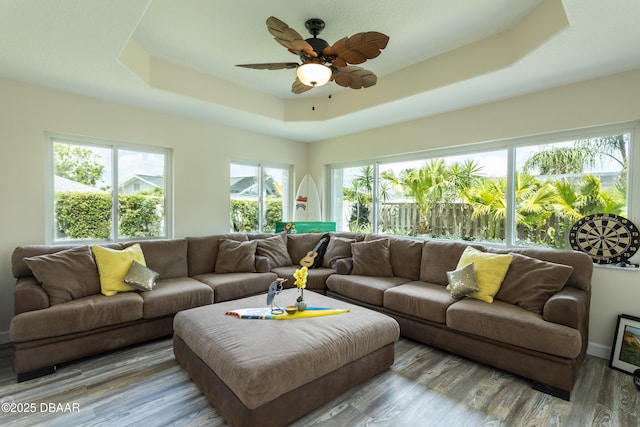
339 247
275 249
530 282
236 257
372 258
66 275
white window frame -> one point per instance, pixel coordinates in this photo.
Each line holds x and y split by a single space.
114 146
287 195
510 145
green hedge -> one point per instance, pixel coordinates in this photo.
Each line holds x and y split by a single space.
244 215
88 215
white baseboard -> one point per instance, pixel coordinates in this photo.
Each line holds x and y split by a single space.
4 337
599 350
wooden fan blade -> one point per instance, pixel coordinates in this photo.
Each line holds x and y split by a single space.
298 87
270 66
355 77
357 48
288 37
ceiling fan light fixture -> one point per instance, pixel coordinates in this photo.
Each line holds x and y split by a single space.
314 74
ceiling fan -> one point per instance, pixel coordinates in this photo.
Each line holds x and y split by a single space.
321 62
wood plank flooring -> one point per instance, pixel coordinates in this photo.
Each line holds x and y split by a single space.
144 386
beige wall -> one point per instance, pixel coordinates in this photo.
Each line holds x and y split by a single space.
611 100
201 155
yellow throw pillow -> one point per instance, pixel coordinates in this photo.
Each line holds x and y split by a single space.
490 271
113 266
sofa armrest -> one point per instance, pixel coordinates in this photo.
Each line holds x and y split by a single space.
569 307
29 295
263 265
344 265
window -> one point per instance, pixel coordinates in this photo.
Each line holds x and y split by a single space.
95 182
559 183
259 196
472 195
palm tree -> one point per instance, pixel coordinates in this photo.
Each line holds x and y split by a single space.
487 200
361 194
459 178
424 184
583 155
561 160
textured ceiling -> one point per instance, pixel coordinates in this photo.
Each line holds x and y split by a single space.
180 56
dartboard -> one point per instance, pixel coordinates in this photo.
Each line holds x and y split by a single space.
606 238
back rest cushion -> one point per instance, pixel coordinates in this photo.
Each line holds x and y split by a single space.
406 254
203 251
582 263
168 258
66 275
301 244
20 269
439 257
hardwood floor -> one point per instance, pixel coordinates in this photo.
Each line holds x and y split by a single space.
144 385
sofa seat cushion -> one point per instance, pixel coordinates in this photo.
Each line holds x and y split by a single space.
79 315
510 324
427 301
316 277
368 289
173 295
228 286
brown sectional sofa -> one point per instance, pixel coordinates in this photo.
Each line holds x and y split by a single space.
546 346
406 281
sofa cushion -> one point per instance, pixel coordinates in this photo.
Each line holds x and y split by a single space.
113 266
581 262
236 257
510 324
237 285
203 251
438 257
462 281
338 248
490 271
367 289
173 295
274 248
20 269
372 258
530 282
66 275
405 256
298 245
79 315
427 301
167 257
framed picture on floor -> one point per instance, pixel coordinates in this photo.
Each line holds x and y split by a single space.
625 352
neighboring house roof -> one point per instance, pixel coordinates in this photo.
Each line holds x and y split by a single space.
247 186
64 184
152 180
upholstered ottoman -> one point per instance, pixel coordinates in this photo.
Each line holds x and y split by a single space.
271 372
